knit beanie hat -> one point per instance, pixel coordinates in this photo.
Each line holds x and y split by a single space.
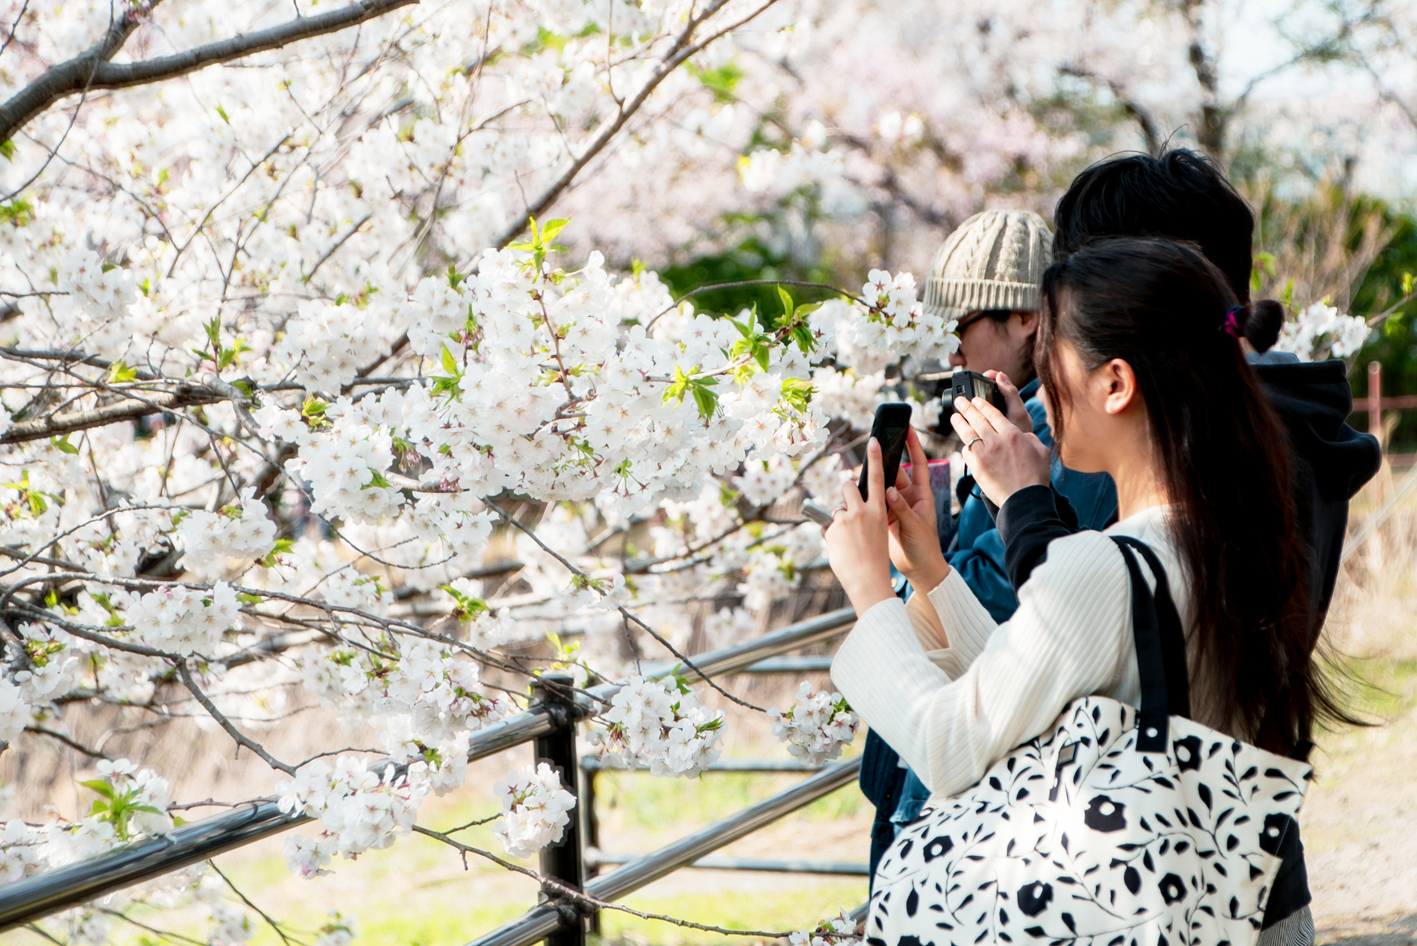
994 260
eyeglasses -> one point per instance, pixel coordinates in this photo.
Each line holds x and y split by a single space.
971 318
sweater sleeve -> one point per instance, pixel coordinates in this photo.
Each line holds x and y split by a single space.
1068 639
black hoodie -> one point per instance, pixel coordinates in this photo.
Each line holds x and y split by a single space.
1332 461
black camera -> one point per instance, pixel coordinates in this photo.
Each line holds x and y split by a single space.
968 385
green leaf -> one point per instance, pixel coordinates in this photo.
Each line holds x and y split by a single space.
19 213
100 787
798 392
222 112
786 301
721 81
7 149
1408 283
378 479
550 229
119 372
63 446
705 400
450 363
281 547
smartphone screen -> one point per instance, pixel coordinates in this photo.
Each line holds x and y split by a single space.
890 427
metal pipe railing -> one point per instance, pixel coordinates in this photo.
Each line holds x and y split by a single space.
764 864
544 920
43 894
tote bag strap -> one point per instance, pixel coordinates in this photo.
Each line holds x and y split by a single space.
1160 648
1173 638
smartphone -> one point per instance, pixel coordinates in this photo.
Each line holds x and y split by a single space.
891 425
818 513
968 385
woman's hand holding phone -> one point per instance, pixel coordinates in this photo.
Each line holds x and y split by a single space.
856 542
892 525
915 543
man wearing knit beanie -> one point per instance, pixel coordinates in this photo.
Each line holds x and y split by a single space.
985 276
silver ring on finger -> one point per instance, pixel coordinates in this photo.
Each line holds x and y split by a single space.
971 443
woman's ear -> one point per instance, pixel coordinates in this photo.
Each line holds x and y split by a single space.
1118 385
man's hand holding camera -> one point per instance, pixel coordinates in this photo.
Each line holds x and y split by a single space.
1003 452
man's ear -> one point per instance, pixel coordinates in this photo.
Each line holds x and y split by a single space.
1119 386
1027 321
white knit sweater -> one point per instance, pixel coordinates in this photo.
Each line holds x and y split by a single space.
954 705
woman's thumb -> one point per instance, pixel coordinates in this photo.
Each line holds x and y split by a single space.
896 502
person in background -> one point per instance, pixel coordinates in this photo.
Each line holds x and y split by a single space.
985 275
1182 195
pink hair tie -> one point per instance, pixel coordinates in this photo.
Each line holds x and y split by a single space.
1232 325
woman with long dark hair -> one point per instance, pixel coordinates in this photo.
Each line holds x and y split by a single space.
1144 379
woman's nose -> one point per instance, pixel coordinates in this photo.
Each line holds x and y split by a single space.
957 359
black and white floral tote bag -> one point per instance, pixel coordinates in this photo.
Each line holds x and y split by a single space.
1114 828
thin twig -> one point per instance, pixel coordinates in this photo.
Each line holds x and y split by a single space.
216 714
623 611
550 884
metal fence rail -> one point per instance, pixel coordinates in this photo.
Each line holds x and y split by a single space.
55 890
546 919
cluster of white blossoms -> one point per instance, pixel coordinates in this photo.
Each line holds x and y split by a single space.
535 809
763 481
325 345
1321 331
214 543
838 931
127 804
20 851
816 726
180 620
435 700
360 807
661 726
892 326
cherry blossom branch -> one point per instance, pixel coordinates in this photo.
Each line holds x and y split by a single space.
92 69
625 612
165 934
55 425
14 26
71 743
221 720
681 50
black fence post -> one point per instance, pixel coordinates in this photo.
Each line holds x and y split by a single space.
563 861
592 831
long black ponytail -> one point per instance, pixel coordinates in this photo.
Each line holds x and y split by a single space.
1169 313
